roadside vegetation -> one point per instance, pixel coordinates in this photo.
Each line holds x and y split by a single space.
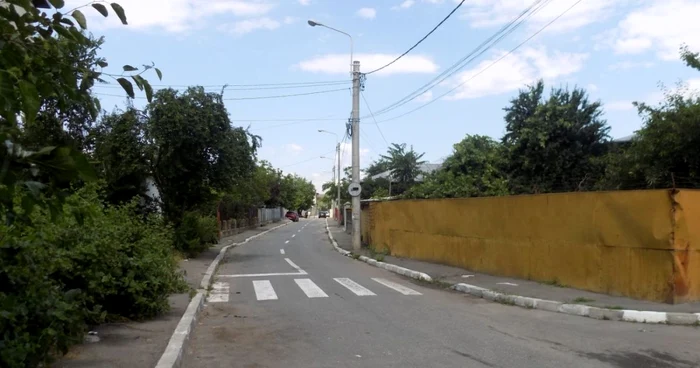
82 238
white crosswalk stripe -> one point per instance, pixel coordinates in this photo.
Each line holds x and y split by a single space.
398 287
264 290
219 293
310 289
356 288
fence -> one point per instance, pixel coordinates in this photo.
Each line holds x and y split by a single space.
264 216
642 244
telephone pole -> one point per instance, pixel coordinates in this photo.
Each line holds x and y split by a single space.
356 239
337 184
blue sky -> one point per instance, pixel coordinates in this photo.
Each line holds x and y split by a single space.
618 50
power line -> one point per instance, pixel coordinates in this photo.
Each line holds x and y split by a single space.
375 120
289 119
479 50
286 124
252 98
421 40
317 157
288 95
488 66
342 151
235 88
246 85
364 136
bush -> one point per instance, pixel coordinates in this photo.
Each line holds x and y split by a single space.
90 264
195 233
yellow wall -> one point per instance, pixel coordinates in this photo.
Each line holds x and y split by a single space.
620 243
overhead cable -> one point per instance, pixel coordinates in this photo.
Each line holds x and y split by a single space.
419 41
488 66
479 50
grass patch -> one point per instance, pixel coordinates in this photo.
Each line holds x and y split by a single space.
581 300
355 256
616 307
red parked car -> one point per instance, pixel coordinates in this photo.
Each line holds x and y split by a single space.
292 216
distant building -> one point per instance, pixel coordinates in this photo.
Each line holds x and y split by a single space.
625 139
426 168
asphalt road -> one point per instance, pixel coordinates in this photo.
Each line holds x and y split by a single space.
312 307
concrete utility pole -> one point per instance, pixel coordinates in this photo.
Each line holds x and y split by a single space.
337 184
336 179
356 213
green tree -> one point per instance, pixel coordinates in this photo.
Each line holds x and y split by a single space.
554 144
41 76
120 151
377 167
404 164
474 169
193 150
665 152
297 193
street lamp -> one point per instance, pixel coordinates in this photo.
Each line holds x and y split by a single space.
355 129
314 24
337 155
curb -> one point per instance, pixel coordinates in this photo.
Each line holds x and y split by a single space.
625 315
387 266
172 356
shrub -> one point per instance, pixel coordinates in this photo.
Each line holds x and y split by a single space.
88 265
195 233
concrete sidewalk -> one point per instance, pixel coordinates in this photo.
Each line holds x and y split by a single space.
510 286
141 344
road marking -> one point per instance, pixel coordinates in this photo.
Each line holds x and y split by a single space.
295 266
219 293
293 235
398 287
281 251
264 290
310 289
356 288
286 242
300 229
507 283
298 273
264 274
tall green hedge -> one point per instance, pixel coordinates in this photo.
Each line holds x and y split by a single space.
91 264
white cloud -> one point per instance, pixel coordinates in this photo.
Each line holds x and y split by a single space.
289 20
425 97
618 106
693 84
404 5
592 87
367 13
249 25
515 71
625 65
491 13
660 26
338 64
293 147
304 2
172 15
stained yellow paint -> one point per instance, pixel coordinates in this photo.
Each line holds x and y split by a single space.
641 244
